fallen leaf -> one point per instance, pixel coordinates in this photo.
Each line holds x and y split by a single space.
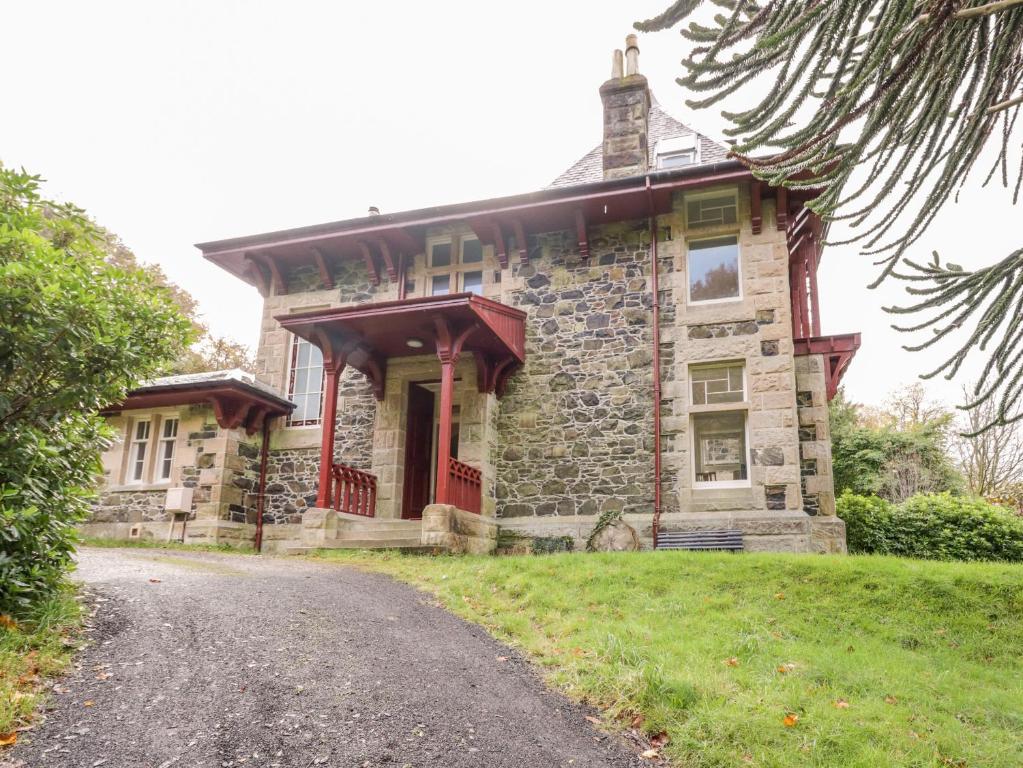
637 721
890 700
154 581
8 622
732 662
779 596
502 658
660 739
594 720
790 720
88 703
841 704
103 675
7 739
786 668
650 754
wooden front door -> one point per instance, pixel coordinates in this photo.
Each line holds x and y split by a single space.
418 452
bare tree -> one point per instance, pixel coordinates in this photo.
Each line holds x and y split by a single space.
991 461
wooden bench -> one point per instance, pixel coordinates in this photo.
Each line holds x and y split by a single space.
726 540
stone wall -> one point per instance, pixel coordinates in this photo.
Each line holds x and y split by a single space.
814 437
574 425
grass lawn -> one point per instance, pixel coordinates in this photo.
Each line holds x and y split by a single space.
38 646
763 660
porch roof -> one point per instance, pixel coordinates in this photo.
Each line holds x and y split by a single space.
365 336
238 399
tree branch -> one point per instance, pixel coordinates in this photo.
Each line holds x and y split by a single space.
1008 103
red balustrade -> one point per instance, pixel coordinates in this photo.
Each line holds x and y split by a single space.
465 486
354 491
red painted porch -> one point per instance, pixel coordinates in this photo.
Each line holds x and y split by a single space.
366 336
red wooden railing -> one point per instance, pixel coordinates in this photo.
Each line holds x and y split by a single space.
465 486
355 491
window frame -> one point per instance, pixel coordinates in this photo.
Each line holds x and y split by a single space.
458 267
134 442
290 371
668 155
708 195
162 441
742 407
690 301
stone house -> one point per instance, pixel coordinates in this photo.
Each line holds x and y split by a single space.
640 338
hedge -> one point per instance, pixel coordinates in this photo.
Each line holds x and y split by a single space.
931 526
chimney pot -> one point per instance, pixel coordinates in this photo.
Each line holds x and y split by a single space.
631 55
617 70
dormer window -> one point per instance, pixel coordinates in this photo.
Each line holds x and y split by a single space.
676 152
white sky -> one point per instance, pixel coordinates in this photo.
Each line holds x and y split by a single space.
177 122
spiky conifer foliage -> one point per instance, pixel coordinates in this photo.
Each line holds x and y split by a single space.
885 106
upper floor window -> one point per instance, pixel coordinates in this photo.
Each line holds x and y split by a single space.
454 266
165 455
305 383
715 384
713 269
138 451
712 209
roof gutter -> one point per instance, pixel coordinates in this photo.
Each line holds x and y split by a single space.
368 226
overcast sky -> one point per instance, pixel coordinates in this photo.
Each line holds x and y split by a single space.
178 122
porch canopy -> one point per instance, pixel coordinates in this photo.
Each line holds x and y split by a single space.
366 336
237 398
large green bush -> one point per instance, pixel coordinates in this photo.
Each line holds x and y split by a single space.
76 332
936 526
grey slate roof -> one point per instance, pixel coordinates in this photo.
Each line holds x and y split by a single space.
210 378
590 166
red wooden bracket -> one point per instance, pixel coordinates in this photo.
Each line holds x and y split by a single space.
389 263
499 248
781 207
258 275
581 234
326 281
754 204
371 264
520 240
280 285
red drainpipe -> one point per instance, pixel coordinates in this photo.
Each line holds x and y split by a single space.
262 484
656 361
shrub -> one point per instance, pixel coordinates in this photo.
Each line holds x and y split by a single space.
932 526
76 332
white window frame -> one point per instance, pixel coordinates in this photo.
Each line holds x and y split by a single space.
677 145
690 301
133 450
288 374
458 267
707 195
162 443
742 407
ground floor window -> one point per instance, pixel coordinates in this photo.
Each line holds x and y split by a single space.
137 453
305 383
719 448
168 439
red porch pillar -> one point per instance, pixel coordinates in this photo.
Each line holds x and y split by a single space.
333 365
449 349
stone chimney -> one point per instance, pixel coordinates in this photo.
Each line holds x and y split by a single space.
626 100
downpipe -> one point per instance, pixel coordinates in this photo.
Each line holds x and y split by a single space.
656 363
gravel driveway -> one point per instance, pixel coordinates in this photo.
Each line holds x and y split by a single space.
230 660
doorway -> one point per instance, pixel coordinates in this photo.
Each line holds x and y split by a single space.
418 451
421 435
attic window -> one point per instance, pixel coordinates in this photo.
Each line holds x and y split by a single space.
676 152
676 159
